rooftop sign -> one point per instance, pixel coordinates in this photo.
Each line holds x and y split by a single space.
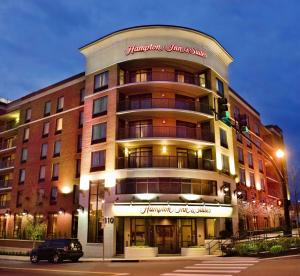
132 49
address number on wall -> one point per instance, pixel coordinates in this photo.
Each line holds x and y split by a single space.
108 220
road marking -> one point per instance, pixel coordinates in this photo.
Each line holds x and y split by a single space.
65 271
222 264
230 262
208 270
221 267
193 274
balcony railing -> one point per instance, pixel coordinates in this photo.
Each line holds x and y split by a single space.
164 103
5 183
7 144
179 162
4 204
165 131
4 164
159 75
8 126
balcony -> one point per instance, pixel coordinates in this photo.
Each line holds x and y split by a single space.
164 103
6 164
177 162
8 126
7 144
4 184
4 204
179 132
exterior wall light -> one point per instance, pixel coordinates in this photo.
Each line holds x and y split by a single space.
61 211
7 213
80 208
24 212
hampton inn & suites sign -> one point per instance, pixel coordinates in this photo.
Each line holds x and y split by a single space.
132 49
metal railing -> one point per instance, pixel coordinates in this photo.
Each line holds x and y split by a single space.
8 126
5 183
149 131
4 204
7 144
154 161
148 103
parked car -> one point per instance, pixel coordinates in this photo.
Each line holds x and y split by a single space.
57 250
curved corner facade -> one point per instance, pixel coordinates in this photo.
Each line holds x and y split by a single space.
169 164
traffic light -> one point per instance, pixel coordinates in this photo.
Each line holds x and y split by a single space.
223 113
243 123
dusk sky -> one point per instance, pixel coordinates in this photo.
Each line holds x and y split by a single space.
39 43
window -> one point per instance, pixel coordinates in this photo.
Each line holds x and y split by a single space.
78 165
96 195
82 95
258 144
55 171
27 115
240 155
80 123
47 109
44 150
142 75
42 173
40 196
79 143
121 77
100 106
242 176
220 87
99 133
24 155
59 125
45 129
57 148
239 137
53 195
60 104
223 138
19 198
260 166
180 77
250 160
252 180
236 112
21 176
202 80
101 81
262 184
225 164
26 134
138 232
249 145
256 129
98 160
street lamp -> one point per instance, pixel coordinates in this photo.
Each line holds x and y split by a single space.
282 173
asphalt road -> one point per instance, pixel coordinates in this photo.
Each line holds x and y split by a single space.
206 267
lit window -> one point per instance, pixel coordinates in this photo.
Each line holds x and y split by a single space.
99 133
59 125
60 104
101 81
180 77
260 166
252 179
100 106
141 76
202 80
121 77
98 160
225 164
47 108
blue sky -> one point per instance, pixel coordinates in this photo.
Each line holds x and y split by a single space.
39 43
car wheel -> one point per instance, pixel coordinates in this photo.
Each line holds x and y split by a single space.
74 260
56 258
34 258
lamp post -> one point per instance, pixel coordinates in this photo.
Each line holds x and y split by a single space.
282 173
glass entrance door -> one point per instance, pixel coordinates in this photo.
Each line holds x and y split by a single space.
166 239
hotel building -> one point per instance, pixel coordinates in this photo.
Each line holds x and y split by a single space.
129 156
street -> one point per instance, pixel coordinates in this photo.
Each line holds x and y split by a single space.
212 266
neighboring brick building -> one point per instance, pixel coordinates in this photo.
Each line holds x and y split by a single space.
130 152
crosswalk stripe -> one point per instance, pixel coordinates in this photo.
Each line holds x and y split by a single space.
193 274
207 270
218 267
227 264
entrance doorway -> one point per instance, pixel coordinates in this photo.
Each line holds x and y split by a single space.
166 239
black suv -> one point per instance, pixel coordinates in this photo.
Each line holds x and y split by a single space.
57 250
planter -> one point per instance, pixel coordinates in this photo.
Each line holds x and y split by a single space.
193 251
140 252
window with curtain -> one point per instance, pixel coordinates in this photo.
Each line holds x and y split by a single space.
60 104
57 148
44 150
101 81
55 171
96 196
45 129
225 164
100 106
98 160
59 125
22 176
26 134
47 108
99 133
24 155
42 173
